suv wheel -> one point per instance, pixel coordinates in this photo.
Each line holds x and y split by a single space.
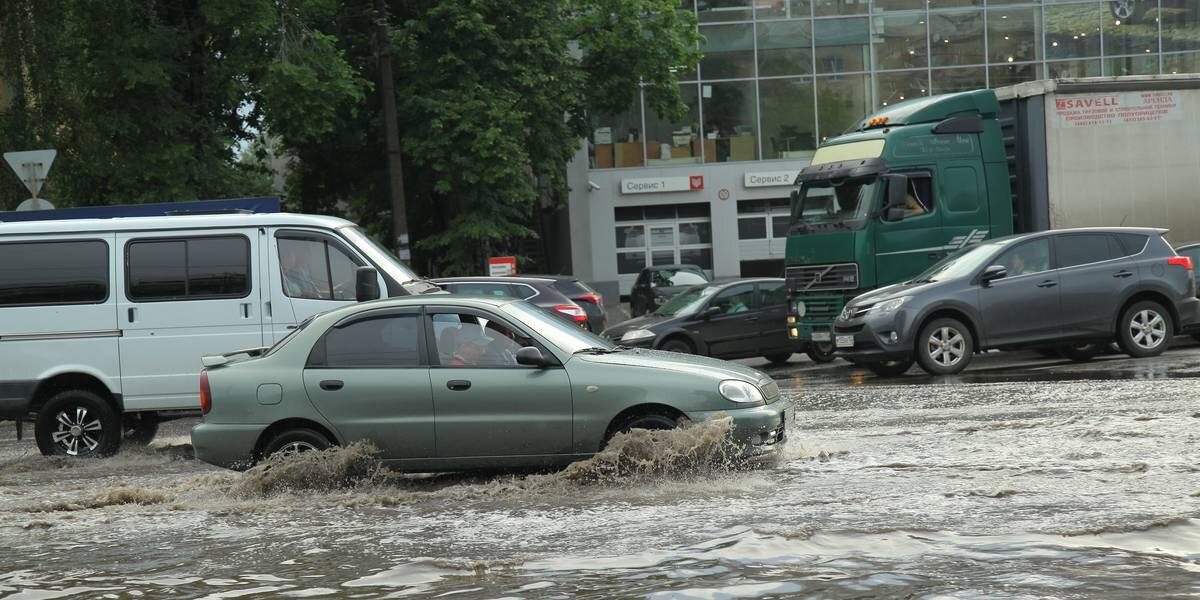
889 368
944 347
77 423
1145 329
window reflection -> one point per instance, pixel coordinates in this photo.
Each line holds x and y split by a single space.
782 9
842 45
714 11
958 80
842 101
824 8
784 48
1014 73
1130 36
1188 62
1131 65
1180 27
616 140
729 121
787 117
899 41
956 38
729 52
1073 68
899 86
1072 30
1014 35
675 141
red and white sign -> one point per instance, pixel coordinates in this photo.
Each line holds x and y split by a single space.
723 194
502 266
1122 108
662 184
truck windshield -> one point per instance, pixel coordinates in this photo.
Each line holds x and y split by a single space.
834 201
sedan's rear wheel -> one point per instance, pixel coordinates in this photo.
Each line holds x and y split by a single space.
295 441
944 347
679 345
77 423
1145 329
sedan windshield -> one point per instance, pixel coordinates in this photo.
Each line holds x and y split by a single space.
834 202
960 264
686 303
560 333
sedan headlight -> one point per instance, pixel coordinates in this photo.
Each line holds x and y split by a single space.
741 392
634 335
888 306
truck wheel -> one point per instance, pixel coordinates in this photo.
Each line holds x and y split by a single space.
295 441
820 352
1145 329
1080 352
944 347
889 368
77 423
141 429
778 358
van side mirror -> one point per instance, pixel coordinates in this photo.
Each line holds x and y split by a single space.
366 284
993 273
530 356
896 190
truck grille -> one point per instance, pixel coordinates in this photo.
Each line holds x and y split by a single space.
819 278
822 310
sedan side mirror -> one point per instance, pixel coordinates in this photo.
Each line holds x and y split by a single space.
530 356
366 284
993 273
710 312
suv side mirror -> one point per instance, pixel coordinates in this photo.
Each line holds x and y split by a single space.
993 273
530 356
366 284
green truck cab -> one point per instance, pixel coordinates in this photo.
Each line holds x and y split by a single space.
878 205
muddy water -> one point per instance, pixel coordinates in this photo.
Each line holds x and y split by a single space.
1005 490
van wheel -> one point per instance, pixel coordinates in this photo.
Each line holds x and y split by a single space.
77 423
820 352
295 441
1080 352
889 368
944 347
141 429
778 358
1145 329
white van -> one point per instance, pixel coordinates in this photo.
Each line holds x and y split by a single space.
103 321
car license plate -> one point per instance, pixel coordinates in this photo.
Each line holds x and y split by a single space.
844 341
820 336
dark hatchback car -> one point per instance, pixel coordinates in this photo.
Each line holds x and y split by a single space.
737 319
583 295
539 291
1075 289
655 285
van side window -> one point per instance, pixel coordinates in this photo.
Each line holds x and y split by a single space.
187 269
315 269
42 273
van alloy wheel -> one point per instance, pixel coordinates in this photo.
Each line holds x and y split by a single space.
77 423
1148 329
946 346
77 430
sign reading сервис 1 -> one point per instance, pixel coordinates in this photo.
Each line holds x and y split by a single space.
771 179
653 185
1120 108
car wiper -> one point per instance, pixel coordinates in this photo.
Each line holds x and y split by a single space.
926 280
595 350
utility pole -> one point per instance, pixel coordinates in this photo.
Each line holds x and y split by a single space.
391 131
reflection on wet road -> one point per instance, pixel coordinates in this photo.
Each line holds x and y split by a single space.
1021 478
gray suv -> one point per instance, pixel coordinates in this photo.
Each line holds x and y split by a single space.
1075 289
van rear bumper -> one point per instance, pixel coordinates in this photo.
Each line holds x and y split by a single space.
15 397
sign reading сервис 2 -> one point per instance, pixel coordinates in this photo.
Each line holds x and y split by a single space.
1120 108
653 185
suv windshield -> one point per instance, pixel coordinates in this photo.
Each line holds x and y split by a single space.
686 303
834 201
962 263
676 277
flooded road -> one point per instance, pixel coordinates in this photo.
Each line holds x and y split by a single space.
1021 478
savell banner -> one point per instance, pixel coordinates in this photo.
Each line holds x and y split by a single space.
1120 108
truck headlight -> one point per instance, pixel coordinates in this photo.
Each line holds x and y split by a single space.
800 309
741 392
634 335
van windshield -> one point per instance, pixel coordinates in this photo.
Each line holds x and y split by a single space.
380 255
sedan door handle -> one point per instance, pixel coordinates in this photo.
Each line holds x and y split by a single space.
1049 283
458 385
1122 273
750 319
332 385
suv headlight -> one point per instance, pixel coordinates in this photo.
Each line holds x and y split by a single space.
741 392
634 335
888 306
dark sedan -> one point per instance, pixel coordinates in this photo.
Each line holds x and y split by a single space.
539 291
582 294
737 319
655 285
1075 289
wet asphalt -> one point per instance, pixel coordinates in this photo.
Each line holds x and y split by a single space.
1023 477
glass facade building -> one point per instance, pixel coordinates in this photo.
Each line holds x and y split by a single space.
780 76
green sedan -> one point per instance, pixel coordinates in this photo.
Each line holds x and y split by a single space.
442 383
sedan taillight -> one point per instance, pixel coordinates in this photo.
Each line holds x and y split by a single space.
573 311
205 393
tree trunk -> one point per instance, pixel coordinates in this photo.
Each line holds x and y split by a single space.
391 131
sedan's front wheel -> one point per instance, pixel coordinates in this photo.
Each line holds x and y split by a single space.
944 347
1145 329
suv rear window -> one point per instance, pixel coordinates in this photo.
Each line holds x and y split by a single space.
572 288
1132 243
